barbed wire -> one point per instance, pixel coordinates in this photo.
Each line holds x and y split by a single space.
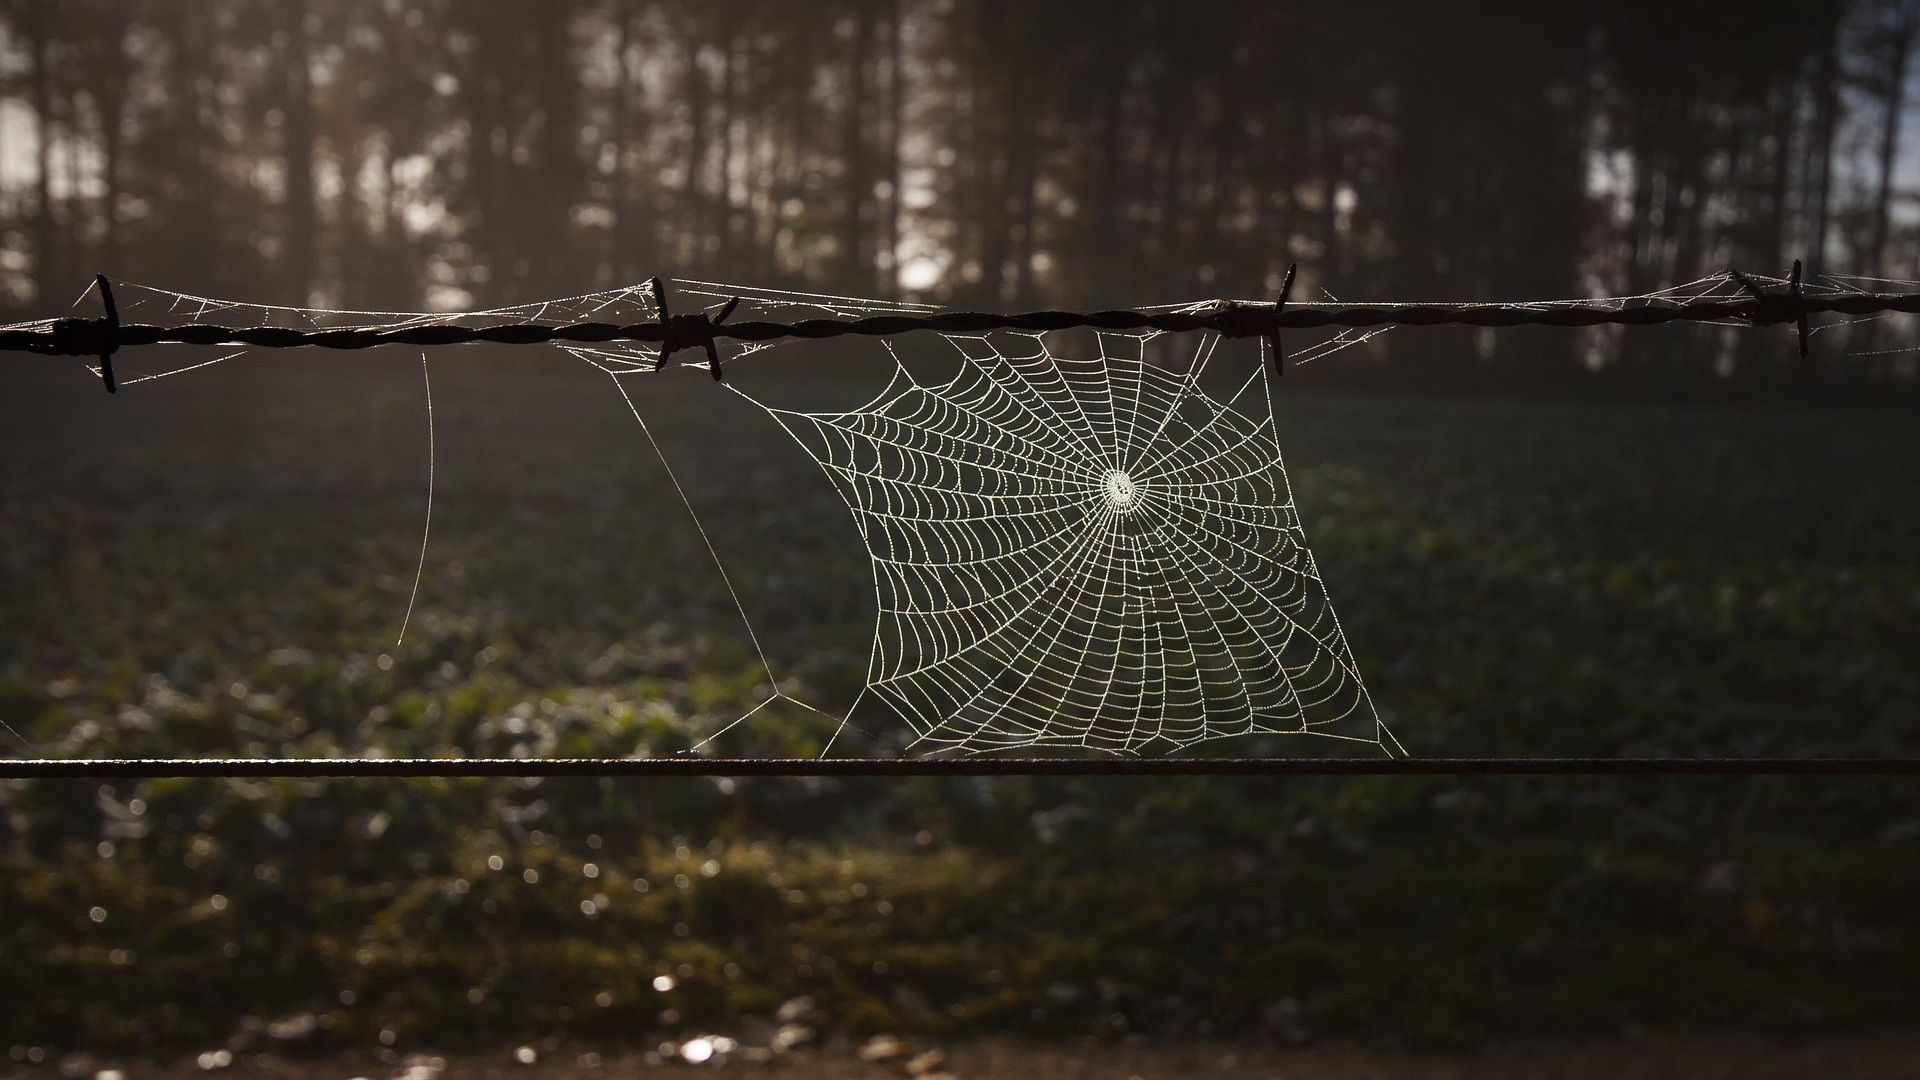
1760 306
852 768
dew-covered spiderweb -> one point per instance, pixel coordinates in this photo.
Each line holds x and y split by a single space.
1087 551
1077 541
1079 550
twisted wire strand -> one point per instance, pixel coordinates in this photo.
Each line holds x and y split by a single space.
100 337
850 768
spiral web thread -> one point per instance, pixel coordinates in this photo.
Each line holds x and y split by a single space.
1086 553
1080 553
1068 551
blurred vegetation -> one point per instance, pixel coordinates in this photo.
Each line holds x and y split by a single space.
222 570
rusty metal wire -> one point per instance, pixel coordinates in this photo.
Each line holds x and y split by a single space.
850 768
85 337
102 337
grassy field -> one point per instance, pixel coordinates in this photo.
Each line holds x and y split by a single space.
220 563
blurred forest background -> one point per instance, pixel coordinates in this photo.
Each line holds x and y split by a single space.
219 563
370 153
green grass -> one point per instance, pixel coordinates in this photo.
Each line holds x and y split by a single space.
220 565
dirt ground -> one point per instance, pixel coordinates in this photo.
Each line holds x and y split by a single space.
1693 1057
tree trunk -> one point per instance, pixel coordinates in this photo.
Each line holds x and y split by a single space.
1899 43
113 106
989 158
301 215
1773 233
693 216
1103 217
1223 244
1023 151
887 264
1688 177
620 200
46 268
557 174
486 153
1826 124
1331 165
856 240
726 214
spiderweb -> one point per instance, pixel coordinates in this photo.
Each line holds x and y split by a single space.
1079 551
1087 552
1076 542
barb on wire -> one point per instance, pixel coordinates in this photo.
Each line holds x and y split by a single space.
713 349
676 331
1799 308
1230 318
1279 307
77 337
669 340
1772 308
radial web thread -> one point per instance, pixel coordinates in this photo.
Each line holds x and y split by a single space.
1086 552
